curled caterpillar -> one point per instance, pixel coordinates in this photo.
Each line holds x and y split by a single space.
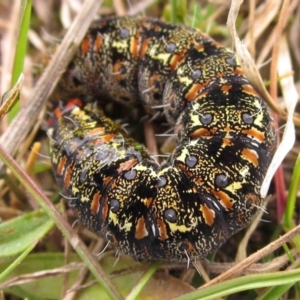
209 187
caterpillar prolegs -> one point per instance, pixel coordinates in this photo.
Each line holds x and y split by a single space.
209 188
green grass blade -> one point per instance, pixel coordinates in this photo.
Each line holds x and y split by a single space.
292 195
250 282
178 10
16 262
143 281
19 233
25 14
275 292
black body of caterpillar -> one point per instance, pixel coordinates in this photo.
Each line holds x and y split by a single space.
210 186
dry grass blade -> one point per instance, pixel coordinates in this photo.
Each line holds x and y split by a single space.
25 278
247 63
241 252
10 97
294 36
245 59
272 266
290 96
264 15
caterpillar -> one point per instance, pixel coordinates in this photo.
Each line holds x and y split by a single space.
209 187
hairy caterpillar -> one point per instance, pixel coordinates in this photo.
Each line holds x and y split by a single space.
209 188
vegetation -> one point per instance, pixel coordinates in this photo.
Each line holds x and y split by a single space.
40 254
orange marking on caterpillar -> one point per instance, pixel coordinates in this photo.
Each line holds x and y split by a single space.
95 203
198 181
144 47
194 91
113 185
154 79
68 176
108 137
183 168
61 165
201 96
189 248
175 60
226 88
208 214
85 45
127 165
224 199
107 179
254 199
95 131
227 129
74 102
258 135
98 141
249 90
238 71
58 113
117 67
199 47
141 231
134 46
162 229
226 142
251 156
148 202
200 132
105 209
98 43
